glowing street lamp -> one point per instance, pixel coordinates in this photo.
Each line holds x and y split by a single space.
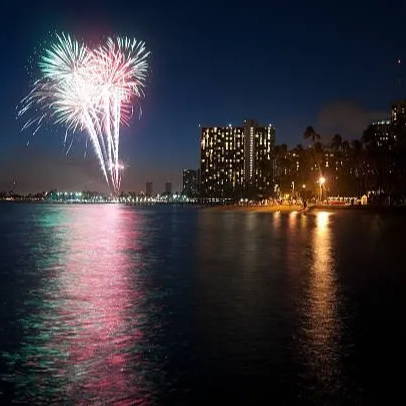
322 181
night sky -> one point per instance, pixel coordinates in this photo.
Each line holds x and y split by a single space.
292 64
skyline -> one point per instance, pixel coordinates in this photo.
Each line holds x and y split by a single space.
195 80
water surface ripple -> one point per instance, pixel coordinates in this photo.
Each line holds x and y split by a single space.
111 304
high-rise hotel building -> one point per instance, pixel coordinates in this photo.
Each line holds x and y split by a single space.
398 112
236 161
387 133
398 121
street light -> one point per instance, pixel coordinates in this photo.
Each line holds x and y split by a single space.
322 181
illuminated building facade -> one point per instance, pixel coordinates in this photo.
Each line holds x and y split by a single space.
398 112
299 170
236 161
386 133
382 133
398 121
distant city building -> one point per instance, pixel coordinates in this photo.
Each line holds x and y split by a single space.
168 188
398 112
382 133
236 161
398 121
297 171
190 182
386 133
148 189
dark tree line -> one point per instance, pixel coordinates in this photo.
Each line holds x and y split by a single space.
373 165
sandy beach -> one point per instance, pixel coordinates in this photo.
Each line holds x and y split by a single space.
258 209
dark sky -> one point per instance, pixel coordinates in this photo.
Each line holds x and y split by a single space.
329 64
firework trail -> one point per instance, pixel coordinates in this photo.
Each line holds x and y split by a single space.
90 90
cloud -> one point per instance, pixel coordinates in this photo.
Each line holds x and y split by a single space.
346 118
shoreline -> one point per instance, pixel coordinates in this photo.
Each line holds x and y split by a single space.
258 209
301 209
284 208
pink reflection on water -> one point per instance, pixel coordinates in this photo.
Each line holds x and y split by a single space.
101 293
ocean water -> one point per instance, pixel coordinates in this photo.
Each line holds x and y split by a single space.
113 304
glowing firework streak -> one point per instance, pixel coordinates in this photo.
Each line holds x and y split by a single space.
91 90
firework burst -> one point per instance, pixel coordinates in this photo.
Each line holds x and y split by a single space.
89 90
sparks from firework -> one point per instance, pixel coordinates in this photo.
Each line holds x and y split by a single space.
90 90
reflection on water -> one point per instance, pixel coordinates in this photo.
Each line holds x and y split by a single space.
121 305
321 308
102 295
83 339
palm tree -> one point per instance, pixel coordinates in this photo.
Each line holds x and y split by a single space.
310 133
336 142
356 147
318 147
